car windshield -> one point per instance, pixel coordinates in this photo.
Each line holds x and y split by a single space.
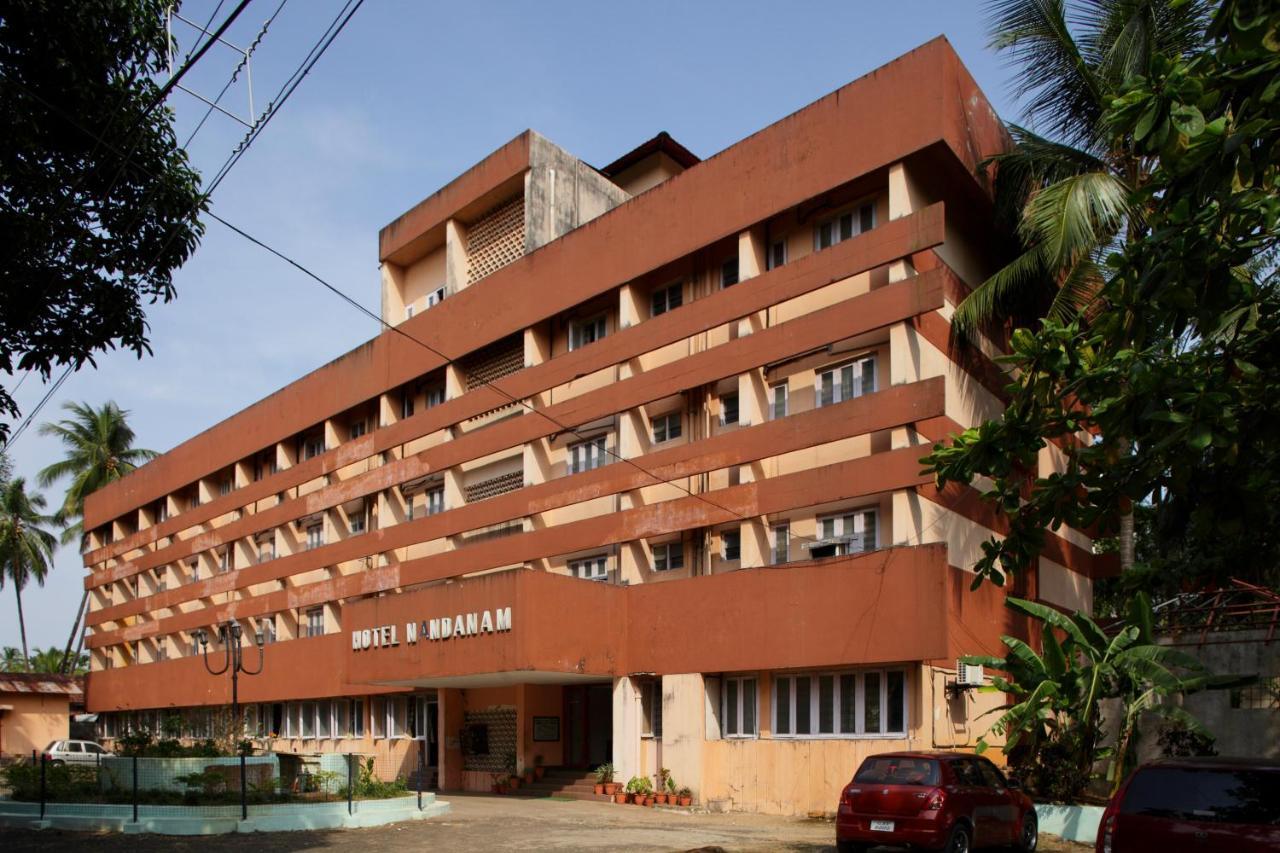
895 770
1245 796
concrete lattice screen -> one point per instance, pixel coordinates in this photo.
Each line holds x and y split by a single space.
496 239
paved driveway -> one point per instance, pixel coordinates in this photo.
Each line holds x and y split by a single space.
495 823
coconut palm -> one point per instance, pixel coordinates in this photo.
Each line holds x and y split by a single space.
10 660
52 660
26 548
1067 187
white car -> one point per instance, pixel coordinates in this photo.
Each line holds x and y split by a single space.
73 752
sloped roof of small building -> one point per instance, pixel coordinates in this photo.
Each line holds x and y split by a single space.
42 683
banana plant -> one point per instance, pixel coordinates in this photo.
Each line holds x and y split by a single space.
1056 694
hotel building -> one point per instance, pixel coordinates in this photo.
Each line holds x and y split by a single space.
632 476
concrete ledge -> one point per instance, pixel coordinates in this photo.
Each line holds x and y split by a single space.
217 820
1070 823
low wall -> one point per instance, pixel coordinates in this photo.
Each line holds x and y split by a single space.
161 774
1071 823
180 820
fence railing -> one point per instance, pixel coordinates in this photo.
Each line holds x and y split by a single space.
212 786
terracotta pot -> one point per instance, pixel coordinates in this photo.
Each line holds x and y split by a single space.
539 771
528 777
660 799
619 797
648 800
611 788
514 782
599 788
686 801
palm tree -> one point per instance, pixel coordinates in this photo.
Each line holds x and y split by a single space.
26 548
10 660
1067 188
99 447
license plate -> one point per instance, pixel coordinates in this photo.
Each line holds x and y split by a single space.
882 825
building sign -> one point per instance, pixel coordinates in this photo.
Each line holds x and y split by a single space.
443 628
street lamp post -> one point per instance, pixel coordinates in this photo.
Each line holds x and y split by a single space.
233 662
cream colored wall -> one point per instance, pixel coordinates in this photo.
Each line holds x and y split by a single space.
33 722
423 277
1067 589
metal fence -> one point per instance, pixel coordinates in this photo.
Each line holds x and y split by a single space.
211 786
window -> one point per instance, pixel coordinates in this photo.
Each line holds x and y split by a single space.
324 719
435 297
666 299
315 622
777 254
435 500
162 579
359 519
378 717
162 649
846 533
729 272
583 332
665 427
846 381
266 632
667 556
406 404
162 511
729 408
357 718
738 707
844 226
308 720
651 708
731 544
1264 695
778 401
408 312
224 559
840 704
313 446
315 536
781 543
267 548
397 717
225 487
359 428
435 396
586 455
590 568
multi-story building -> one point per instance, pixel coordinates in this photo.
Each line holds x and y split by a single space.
632 476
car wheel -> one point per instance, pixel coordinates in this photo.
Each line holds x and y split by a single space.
958 840
1030 834
58 762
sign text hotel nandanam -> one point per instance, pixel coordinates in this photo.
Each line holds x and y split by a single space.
442 628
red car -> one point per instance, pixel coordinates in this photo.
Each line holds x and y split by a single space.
1196 805
933 800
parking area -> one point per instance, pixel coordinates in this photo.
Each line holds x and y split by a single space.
497 823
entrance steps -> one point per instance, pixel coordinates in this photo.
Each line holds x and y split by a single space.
561 782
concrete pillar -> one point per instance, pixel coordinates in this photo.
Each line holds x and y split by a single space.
627 723
683 728
755 543
392 293
455 256
455 381
450 714
753 255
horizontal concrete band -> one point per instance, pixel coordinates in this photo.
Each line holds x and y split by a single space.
864 313
796 159
890 242
855 478
893 407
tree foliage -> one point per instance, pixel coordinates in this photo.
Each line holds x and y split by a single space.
98 202
26 547
1165 392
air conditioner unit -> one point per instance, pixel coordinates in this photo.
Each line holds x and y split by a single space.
968 674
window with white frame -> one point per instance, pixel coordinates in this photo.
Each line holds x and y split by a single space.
729 272
266 632
397 717
781 543
355 719
869 703
359 428
435 396
587 455
583 332
729 408
406 404
731 544
308 727
778 395
846 533
668 556
651 708
738 707
225 487
378 717
315 622
312 446
161 578
324 720
590 568
224 559
845 381
665 427
435 500
359 520
666 299
435 297
315 535
844 226
408 311
267 547
777 254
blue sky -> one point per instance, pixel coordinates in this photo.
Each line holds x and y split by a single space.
409 96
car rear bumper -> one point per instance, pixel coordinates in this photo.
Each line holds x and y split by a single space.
906 831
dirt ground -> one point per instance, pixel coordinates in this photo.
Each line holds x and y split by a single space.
495 823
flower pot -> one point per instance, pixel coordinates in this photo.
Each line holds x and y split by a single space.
528 777
685 801
660 799
599 788
513 782
611 788
539 771
648 800
619 796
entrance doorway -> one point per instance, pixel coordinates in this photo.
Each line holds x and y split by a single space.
588 729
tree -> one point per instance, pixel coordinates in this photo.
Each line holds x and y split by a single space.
1172 372
99 450
11 660
26 548
1053 724
52 660
98 203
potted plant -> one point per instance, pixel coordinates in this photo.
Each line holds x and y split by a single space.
660 789
671 790
513 780
528 775
499 783
600 773
684 797
641 790
604 775
538 770
619 796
